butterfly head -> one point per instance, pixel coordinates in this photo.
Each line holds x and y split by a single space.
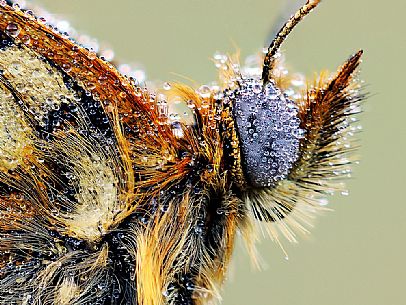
268 129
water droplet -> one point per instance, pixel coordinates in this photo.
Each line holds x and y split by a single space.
67 67
29 14
204 91
15 67
42 20
323 202
220 57
257 88
174 117
16 7
298 80
162 107
91 86
92 55
12 29
26 39
108 54
190 104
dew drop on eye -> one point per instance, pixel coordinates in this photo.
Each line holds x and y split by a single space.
269 131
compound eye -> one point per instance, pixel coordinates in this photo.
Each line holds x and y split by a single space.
269 130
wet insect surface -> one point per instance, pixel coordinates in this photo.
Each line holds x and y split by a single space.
108 197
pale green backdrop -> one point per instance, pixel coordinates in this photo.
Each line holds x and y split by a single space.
357 254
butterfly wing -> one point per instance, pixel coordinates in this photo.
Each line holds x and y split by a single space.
64 178
89 157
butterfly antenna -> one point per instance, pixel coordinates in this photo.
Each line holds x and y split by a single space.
270 57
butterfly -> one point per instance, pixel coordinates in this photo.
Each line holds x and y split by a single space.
106 197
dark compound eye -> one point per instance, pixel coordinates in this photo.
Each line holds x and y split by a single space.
269 132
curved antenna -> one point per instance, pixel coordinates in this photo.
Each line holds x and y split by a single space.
289 7
269 60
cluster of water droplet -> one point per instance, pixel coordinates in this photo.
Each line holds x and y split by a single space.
43 89
14 135
252 68
176 110
269 131
168 109
63 27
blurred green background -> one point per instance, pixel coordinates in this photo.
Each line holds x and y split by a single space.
355 255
